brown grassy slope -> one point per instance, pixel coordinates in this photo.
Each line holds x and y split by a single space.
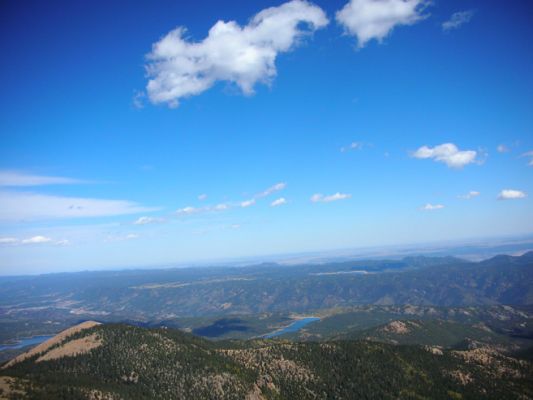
45 346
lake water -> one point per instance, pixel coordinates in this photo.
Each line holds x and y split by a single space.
31 341
294 327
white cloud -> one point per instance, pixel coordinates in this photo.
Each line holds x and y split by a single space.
247 203
511 194
221 207
375 19
8 240
336 196
457 19
143 221
447 153
13 179
202 197
320 198
39 239
179 68
189 210
352 146
147 220
275 188
122 237
138 99
432 207
317 197
36 240
503 148
278 202
22 206
529 155
469 195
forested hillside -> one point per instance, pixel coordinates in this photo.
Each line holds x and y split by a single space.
125 362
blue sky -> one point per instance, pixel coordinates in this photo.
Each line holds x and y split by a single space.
315 126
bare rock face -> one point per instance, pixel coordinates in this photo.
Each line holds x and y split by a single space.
397 327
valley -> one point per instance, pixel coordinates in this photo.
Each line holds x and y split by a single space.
440 315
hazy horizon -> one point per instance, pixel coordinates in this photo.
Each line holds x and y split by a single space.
474 249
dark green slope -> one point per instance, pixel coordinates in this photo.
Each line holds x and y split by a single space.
502 326
139 363
430 332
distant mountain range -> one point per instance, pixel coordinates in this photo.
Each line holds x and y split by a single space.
163 294
264 295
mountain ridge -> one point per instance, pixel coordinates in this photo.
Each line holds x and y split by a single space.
139 363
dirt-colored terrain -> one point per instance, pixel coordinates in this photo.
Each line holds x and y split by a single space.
72 348
9 387
60 337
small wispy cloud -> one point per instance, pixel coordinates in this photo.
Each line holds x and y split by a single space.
221 207
529 155
503 148
272 189
247 203
36 240
8 240
189 210
352 146
278 202
457 19
447 153
431 207
148 220
122 237
320 198
469 195
23 206
511 194
33 240
20 179
138 99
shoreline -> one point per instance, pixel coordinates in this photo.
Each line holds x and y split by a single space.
17 342
278 331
